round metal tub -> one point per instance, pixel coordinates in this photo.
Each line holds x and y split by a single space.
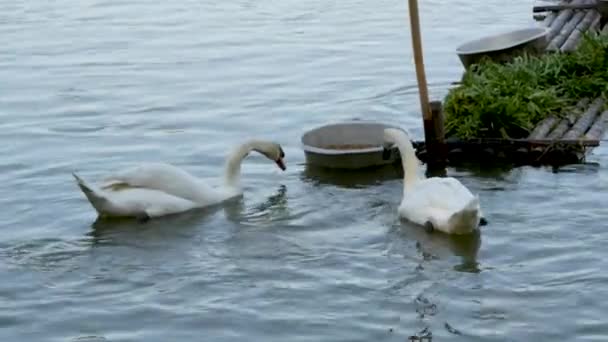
348 145
505 46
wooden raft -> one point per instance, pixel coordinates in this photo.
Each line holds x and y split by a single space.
555 141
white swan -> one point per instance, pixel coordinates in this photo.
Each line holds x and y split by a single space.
157 189
441 203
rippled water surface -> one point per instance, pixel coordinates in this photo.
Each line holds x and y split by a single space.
96 85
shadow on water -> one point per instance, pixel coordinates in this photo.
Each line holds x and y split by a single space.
438 245
346 178
498 170
486 169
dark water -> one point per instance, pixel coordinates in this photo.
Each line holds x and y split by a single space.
95 85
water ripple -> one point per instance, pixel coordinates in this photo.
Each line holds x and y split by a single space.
306 254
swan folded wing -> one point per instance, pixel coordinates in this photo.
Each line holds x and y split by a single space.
446 193
135 201
420 213
162 177
147 175
445 216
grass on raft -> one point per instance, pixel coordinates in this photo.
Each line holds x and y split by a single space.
508 100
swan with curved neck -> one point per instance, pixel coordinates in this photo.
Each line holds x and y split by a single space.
157 189
441 203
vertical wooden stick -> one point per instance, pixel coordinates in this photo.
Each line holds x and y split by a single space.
432 117
418 59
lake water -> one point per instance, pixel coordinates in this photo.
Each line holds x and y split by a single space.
92 86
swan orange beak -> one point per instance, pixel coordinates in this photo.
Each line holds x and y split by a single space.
280 164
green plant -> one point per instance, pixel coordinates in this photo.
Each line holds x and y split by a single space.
508 100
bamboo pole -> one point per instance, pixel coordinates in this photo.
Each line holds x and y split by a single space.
585 121
572 42
560 20
418 59
564 124
565 32
431 113
598 128
551 16
595 25
541 130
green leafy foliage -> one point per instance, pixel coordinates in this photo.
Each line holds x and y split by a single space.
507 100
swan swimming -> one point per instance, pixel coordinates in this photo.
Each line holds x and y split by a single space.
441 203
156 189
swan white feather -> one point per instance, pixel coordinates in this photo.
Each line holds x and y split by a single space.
158 189
443 202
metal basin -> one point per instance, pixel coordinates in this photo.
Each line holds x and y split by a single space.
348 145
505 46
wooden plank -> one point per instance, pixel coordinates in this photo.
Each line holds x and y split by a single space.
575 38
597 130
516 152
585 121
568 121
559 39
498 142
552 8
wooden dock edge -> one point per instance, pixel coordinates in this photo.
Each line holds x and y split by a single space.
554 141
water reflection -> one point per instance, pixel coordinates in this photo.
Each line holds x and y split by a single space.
358 178
278 200
583 168
43 254
121 230
437 245
274 209
104 230
490 171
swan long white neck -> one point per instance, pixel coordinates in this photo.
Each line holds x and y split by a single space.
232 176
409 160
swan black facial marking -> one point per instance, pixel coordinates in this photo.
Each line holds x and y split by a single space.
143 217
428 227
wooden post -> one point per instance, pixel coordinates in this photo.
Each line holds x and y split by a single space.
432 114
418 59
434 135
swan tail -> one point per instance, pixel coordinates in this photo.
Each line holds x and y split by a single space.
97 200
467 218
473 205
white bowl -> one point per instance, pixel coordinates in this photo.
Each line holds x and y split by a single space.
348 145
